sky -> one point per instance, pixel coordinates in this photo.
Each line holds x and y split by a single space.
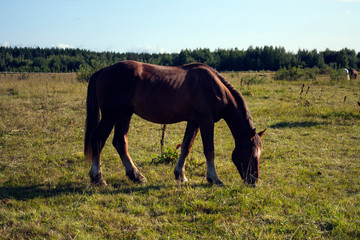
169 26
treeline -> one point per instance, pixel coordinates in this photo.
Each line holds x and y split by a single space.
16 59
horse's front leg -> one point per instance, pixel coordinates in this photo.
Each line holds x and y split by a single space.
190 133
102 132
120 142
207 135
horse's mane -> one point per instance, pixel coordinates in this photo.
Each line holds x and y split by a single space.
240 101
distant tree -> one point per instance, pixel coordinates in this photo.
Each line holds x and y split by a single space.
183 58
253 58
55 63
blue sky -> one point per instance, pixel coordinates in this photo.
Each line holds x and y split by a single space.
169 26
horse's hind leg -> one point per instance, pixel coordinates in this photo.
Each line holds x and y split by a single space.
120 142
190 133
98 141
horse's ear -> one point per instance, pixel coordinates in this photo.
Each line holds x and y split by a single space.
253 134
261 134
254 131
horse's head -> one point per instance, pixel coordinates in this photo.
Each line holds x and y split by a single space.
246 158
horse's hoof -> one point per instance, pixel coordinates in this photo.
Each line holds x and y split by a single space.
100 183
136 176
216 181
180 176
98 180
182 179
140 178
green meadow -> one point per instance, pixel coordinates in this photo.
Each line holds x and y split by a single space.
309 172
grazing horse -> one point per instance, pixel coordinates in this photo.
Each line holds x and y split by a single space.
346 74
353 73
194 93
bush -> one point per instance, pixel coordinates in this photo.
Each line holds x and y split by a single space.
297 73
168 156
336 75
85 71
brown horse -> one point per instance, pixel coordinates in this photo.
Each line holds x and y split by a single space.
194 93
353 73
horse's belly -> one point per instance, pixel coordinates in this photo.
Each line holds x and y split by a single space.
158 116
163 112
168 105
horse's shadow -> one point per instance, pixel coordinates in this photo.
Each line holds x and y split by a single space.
23 193
297 124
40 191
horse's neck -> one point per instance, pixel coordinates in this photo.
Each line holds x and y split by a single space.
239 120
236 114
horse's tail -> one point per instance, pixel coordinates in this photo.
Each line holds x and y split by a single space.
92 116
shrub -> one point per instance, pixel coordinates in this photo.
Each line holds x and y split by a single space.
168 156
297 73
336 75
85 71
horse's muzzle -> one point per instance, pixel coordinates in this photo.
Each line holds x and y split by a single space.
251 181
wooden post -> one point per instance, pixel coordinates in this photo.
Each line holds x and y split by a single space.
162 141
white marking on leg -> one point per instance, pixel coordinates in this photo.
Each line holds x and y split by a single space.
211 172
95 168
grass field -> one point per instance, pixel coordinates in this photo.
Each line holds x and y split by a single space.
309 171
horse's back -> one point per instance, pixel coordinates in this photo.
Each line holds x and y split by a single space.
160 94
